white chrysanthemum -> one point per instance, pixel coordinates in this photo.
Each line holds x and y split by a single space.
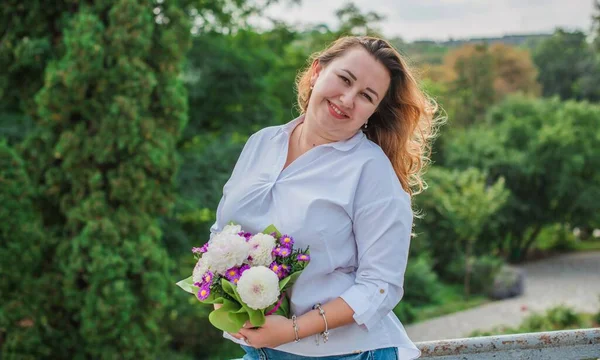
226 251
199 270
261 249
231 229
258 287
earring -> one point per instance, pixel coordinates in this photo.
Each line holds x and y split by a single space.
312 87
367 123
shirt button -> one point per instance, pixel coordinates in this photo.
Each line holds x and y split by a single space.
381 291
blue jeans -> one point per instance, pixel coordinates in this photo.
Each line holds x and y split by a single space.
390 353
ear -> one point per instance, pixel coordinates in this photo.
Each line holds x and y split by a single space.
316 70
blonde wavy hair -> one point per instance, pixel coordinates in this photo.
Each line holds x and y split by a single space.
403 124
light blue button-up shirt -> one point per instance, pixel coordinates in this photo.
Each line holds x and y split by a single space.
344 200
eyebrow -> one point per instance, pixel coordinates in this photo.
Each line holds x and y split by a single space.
354 77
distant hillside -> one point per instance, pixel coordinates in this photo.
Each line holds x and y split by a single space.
517 40
432 52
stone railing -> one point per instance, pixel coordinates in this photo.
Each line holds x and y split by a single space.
580 344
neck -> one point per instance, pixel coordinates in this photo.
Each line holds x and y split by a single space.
309 136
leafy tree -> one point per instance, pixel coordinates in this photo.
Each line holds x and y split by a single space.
479 76
353 22
231 95
596 25
546 151
456 208
468 203
29 41
515 71
473 86
22 250
102 162
568 66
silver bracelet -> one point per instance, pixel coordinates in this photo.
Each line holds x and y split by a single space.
325 333
295 324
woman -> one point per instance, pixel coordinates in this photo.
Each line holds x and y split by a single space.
340 179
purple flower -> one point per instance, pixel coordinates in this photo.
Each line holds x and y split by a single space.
246 235
204 292
303 257
287 241
279 269
199 250
274 266
208 278
285 271
243 268
233 274
282 251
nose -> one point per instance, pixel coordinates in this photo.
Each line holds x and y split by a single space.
347 99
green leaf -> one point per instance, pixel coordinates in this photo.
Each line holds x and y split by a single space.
257 317
188 285
289 281
230 289
221 319
284 308
239 316
271 229
213 299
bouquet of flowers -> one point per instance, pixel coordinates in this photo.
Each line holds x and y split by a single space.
248 274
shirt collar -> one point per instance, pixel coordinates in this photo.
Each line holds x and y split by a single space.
343 145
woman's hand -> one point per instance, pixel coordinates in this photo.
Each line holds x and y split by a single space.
276 331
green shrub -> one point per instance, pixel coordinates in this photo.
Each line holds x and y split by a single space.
556 237
405 312
556 318
563 317
483 272
535 323
421 284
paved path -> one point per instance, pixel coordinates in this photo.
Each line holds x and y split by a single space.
571 279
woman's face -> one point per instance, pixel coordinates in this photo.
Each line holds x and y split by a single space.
346 93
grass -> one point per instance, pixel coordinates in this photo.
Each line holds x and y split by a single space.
452 300
587 246
557 318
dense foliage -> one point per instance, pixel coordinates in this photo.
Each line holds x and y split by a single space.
121 121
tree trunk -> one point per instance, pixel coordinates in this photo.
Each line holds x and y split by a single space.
530 241
468 253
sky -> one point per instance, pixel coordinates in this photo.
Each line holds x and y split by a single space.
446 19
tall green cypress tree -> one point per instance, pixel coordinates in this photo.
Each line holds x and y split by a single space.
102 162
21 252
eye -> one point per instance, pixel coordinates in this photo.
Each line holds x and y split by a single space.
344 79
368 97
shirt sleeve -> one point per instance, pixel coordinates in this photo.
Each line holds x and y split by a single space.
240 166
382 224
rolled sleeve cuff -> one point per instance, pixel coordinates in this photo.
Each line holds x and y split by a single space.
366 303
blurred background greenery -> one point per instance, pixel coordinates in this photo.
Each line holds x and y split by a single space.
120 121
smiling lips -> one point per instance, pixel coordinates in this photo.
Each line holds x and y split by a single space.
335 111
